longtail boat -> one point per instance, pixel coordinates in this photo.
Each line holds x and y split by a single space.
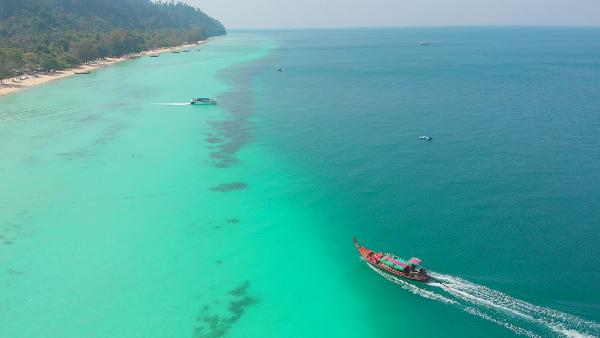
394 265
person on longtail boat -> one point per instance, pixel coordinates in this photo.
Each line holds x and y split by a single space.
371 257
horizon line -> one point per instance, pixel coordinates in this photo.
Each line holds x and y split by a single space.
416 26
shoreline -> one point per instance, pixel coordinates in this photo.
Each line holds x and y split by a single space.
16 84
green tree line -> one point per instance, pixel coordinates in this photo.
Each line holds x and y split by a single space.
57 34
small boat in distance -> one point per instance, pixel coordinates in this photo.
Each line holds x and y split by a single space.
186 51
393 265
426 138
175 52
279 69
154 55
83 72
203 100
424 43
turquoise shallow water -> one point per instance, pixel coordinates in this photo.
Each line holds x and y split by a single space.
127 213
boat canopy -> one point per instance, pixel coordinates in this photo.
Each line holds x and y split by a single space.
415 261
400 262
392 265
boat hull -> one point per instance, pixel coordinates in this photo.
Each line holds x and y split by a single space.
416 276
203 103
392 272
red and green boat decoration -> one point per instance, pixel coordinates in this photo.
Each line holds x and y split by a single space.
394 265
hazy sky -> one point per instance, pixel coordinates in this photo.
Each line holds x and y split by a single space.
361 13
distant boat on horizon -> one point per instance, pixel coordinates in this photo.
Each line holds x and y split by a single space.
83 72
424 43
175 52
154 55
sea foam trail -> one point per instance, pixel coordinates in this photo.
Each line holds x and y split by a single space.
499 308
435 296
173 104
486 298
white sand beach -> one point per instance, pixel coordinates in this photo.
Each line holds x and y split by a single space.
15 84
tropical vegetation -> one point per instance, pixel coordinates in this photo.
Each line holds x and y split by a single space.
57 34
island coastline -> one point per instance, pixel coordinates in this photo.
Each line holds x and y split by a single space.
18 83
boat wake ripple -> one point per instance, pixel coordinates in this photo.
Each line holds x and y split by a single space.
499 308
173 104
413 288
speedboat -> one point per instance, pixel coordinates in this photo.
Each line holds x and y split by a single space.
426 138
203 100
393 265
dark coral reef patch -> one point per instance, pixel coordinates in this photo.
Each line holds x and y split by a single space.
212 325
225 187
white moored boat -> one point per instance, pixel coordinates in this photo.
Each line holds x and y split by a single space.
203 100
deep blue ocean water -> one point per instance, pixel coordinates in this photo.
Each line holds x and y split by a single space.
507 194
